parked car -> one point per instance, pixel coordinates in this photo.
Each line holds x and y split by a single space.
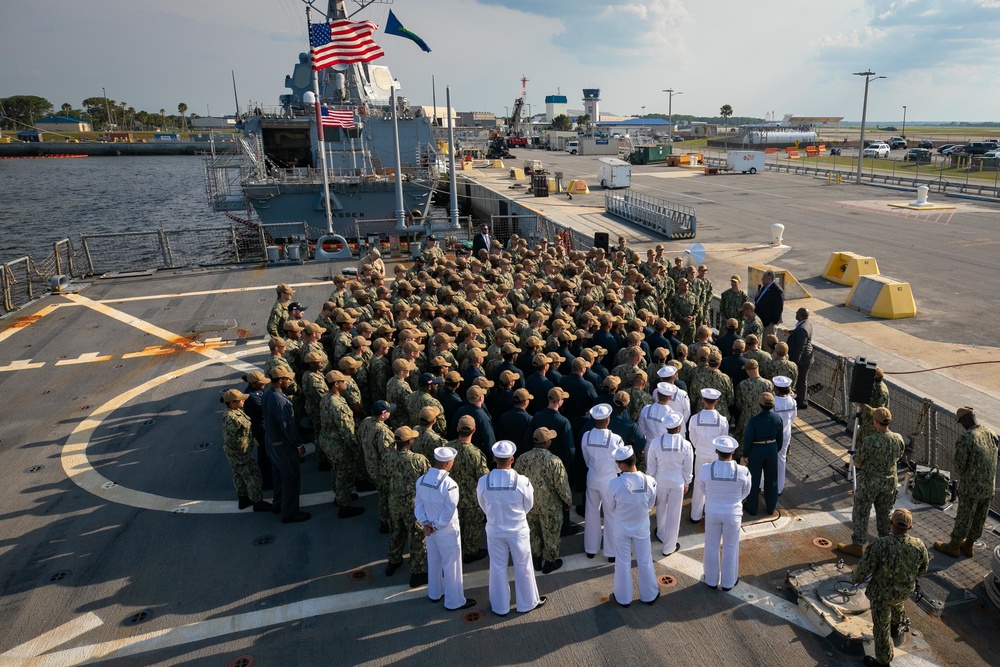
995 153
951 150
926 143
943 147
876 150
918 155
678 137
978 147
897 142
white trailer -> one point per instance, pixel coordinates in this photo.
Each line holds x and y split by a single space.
745 161
614 173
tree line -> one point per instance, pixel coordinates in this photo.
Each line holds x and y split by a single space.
20 111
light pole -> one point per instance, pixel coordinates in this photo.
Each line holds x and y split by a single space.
868 74
670 110
644 119
904 122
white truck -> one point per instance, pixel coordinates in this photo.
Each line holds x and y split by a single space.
745 161
614 173
572 147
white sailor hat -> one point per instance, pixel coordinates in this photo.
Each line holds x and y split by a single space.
673 420
622 453
667 371
504 449
600 411
711 394
726 444
445 454
666 389
781 381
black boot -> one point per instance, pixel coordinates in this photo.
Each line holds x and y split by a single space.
262 506
244 502
346 512
417 580
536 562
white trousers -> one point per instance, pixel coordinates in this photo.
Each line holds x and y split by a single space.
648 587
518 546
722 533
444 567
596 497
782 465
697 497
669 500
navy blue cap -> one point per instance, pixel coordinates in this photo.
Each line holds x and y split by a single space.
378 407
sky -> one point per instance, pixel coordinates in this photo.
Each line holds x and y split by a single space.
941 57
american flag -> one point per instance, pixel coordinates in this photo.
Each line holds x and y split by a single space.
343 119
342 42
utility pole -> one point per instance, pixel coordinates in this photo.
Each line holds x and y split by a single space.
868 74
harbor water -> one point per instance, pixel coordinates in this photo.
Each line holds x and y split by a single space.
44 200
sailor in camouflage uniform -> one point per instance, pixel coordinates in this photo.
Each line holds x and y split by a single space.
397 392
731 301
750 324
279 311
314 388
238 445
470 465
748 395
976 468
715 379
780 364
875 460
547 475
428 440
880 399
376 438
337 440
893 563
403 468
379 369
683 310
422 398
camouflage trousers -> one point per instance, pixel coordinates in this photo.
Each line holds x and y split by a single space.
878 492
545 526
246 476
971 517
884 614
342 471
383 499
403 527
472 521
686 334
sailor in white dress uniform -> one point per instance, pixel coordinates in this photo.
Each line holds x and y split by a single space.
784 407
703 429
598 444
436 507
630 497
651 417
506 498
670 461
680 402
724 484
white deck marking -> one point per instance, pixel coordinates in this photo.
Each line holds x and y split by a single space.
85 358
21 365
331 604
237 290
153 351
23 654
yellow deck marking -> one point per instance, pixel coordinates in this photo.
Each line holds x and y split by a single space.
26 321
155 350
237 290
85 358
21 365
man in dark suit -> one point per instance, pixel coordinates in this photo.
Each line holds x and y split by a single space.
800 350
770 302
482 241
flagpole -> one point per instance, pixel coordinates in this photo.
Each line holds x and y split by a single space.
400 212
452 179
320 144
434 100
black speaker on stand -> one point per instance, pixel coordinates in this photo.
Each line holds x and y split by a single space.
862 380
601 240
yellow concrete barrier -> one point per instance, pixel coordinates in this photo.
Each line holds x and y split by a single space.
846 267
497 164
467 165
882 297
517 174
793 288
578 187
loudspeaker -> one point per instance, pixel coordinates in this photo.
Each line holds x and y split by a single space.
601 240
862 381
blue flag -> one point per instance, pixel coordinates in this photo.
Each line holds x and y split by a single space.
394 27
